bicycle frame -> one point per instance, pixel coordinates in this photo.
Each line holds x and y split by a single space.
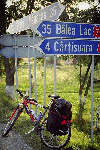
28 111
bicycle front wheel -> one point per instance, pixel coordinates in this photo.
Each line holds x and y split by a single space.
11 121
54 141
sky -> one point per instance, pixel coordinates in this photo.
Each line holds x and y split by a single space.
83 6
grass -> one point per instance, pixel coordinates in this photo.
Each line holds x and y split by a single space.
67 88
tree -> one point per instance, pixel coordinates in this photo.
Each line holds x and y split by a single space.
2 30
16 11
6 15
91 15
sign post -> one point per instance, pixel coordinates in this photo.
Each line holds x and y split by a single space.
55 60
92 98
29 65
35 84
16 68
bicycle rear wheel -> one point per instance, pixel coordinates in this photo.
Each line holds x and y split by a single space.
54 141
11 121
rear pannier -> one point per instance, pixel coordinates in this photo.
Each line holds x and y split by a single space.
58 117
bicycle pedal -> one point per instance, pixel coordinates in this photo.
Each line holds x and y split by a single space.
29 131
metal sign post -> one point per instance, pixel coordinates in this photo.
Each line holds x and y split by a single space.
16 67
44 81
35 85
92 98
55 59
29 64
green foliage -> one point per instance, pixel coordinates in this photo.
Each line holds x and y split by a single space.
6 103
2 17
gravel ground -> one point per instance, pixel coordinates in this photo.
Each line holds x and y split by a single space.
13 141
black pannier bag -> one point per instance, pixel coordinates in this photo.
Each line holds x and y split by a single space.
58 117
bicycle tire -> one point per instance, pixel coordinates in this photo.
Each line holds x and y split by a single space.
11 122
47 137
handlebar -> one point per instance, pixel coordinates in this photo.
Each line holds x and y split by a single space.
25 96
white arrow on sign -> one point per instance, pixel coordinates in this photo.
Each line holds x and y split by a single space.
21 40
33 20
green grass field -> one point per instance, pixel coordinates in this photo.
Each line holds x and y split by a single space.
67 88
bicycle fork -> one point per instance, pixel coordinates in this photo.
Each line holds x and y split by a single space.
20 111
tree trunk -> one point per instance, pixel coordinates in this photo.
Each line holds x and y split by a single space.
9 78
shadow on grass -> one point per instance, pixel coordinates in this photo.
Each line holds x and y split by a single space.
85 126
82 125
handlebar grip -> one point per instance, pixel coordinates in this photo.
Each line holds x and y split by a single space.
19 92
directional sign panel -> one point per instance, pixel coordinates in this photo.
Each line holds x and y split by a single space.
21 52
70 30
70 47
8 48
21 40
33 20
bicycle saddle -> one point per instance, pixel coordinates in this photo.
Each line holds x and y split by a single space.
54 96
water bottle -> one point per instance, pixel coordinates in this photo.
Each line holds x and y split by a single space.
39 116
33 113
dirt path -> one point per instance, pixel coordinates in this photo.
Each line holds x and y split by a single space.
13 141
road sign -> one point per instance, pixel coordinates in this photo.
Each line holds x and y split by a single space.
21 40
8 48
70 47
70 30
33 20
21 52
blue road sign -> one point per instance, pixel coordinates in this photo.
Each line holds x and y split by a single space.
70 30
70 47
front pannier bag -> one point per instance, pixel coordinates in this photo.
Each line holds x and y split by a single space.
58 117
